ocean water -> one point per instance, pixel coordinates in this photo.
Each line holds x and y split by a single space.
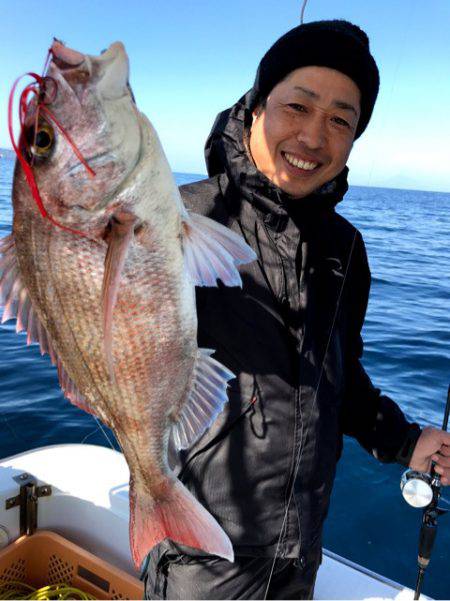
407 354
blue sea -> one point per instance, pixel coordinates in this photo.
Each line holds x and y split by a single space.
407 354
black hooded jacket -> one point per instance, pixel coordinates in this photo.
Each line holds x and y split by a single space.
265 469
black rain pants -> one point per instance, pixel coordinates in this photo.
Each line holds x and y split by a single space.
171 575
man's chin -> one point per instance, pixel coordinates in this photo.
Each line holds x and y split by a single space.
298 190
301 187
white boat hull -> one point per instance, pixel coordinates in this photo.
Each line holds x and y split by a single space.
89 506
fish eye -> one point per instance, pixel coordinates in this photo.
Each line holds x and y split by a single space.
42 140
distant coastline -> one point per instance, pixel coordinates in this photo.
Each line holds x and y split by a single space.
7 153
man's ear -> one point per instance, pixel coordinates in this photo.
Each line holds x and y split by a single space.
258 110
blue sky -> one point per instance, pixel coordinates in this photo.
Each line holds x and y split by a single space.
191 59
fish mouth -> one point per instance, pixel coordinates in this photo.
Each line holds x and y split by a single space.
110 69
65 58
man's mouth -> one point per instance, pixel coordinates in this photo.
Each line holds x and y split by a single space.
300 163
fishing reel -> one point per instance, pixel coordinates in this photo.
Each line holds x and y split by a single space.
423 490
418 488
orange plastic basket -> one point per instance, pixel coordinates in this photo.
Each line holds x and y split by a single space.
47 558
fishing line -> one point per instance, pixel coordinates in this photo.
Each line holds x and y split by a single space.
302 445
302 13
13 589
445 501
89 435
100 426
304 437
11 429
389 101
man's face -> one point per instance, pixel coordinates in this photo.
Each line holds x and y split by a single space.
302 138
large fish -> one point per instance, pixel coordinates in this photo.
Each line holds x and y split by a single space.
101 269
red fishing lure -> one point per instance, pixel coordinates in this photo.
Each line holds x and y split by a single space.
40 88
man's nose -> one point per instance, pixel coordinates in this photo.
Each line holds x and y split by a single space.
313 131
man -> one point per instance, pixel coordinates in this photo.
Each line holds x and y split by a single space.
277 166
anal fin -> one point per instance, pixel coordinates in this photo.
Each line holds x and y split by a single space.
205 401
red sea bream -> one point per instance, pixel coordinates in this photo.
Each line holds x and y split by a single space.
101 269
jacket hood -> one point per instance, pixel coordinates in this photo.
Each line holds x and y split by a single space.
225 153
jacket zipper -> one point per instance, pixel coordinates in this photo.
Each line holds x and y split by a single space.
290 493
283 268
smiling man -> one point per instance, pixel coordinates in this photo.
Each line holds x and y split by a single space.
277 164
301 139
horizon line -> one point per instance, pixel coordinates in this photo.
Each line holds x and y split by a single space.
205 176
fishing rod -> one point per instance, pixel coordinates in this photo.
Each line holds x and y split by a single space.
423 490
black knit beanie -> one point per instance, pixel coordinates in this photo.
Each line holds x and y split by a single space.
336 44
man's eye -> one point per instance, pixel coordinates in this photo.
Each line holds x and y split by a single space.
297 107
341 121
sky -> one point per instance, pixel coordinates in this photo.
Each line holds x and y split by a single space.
190 60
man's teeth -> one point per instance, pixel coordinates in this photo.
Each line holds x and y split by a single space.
308 166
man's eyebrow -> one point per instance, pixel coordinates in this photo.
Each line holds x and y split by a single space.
337 103
309 93
340 104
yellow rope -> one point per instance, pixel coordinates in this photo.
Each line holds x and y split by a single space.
12 589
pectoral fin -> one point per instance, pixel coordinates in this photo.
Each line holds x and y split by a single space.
118 239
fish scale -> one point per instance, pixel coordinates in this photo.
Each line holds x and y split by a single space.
156 334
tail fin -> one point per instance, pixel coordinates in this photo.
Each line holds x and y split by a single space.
180 517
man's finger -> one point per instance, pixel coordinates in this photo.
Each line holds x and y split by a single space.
445 450
440 470
443 472
441 460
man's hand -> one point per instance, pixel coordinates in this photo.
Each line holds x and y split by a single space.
433 445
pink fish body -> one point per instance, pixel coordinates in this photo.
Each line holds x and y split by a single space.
114 305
